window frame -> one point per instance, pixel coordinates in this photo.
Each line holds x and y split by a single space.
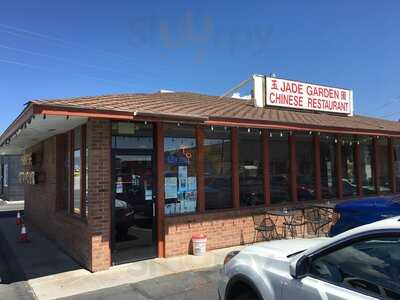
382 233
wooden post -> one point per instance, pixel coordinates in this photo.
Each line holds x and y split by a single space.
339 168
201 205
293 167
235 168
375 162
317 166
160 200
392 174
266 176
357 160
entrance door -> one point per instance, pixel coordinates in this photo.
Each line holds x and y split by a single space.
134 229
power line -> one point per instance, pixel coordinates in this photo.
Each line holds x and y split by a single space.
12 62
69 44
66 60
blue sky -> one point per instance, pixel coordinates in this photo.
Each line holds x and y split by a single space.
52 49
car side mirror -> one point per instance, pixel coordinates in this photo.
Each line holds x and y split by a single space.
298 268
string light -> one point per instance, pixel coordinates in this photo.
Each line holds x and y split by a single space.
212 128
248 129
281 134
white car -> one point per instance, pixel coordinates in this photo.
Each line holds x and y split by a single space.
362 263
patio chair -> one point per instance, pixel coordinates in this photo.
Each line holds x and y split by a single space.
318 220
265 226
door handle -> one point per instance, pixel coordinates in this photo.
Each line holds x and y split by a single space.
154 209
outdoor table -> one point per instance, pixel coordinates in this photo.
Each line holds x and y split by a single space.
287 214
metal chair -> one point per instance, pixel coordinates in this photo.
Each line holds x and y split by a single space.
318 220
265 226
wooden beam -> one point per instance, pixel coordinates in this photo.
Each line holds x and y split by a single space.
293 167
266 171
201 204
375 162
339 173
160 200
317 166
358 170
392 173
235 168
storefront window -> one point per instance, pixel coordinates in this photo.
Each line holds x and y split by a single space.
383 163
348 166
279 166
251 185
129 135
77 172
396 149
180 169
305 166
217 167
328 166
367 171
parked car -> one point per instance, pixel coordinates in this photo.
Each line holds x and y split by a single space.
359 212
362 263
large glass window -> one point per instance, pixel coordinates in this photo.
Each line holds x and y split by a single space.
180 169
328 166
370 267
367 166
348 166
217 167
305 166
279 166
130 135
382 156
396 149
77 168
250 167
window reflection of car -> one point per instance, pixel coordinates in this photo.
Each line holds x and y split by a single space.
124 219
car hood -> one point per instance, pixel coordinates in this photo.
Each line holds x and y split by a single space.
282 249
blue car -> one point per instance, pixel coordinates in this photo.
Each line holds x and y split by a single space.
359 212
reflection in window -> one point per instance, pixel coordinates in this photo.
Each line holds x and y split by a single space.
383 163
396 149
328 166
217 167
348 166
370 266
180 169
305 166
251 185
279 166
77 171
367 171
132 135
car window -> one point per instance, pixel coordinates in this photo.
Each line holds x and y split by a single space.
370 266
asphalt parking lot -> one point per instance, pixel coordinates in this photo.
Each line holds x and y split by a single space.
194 285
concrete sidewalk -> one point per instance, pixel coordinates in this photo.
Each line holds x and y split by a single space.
52 274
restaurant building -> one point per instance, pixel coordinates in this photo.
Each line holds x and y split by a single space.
126 177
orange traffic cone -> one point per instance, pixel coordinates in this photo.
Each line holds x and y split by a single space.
23 237
19 220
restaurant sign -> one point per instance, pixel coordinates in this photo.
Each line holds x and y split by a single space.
306 96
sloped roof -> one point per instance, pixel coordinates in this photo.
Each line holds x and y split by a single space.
213 107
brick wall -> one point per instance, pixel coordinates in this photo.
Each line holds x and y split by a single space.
87 241
223 229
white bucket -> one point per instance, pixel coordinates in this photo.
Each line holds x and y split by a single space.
199 244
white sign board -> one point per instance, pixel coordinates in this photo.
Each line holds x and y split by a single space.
300 95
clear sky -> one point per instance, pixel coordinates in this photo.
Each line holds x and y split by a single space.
52 49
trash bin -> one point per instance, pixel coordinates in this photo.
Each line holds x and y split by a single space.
199 244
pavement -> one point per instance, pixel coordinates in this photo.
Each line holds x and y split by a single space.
11 205
195 285
52 274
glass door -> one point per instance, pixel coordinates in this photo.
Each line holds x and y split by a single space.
134 230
